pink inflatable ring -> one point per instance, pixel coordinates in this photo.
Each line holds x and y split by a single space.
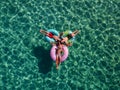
53 53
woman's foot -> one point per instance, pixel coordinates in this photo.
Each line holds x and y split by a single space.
57 67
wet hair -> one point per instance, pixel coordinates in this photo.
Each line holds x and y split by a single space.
69 36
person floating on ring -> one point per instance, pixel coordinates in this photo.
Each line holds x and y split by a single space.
50 35
60 44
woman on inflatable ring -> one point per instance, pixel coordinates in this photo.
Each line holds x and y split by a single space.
59 53
69 36
51 35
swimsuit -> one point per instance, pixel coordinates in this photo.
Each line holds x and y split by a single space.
69 36
50 35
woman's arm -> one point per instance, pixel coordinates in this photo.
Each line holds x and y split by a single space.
73 34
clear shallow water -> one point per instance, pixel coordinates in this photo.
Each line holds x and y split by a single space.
93 62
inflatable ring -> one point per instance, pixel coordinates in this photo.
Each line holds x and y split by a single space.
53 32
53 53
66 33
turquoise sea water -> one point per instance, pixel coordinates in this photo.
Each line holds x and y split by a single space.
94 58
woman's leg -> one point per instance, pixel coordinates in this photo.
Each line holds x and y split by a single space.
58 58
57 61
44 32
